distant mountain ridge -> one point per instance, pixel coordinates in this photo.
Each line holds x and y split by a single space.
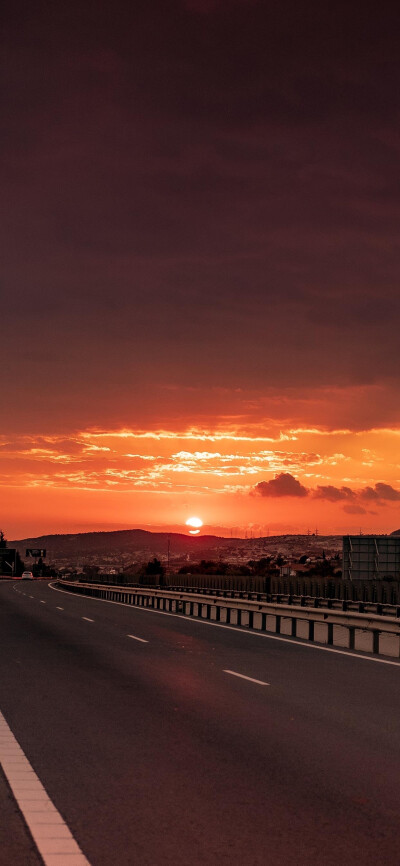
148 544
127 540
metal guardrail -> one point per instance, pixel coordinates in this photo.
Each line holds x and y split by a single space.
300 600
356 631
280 598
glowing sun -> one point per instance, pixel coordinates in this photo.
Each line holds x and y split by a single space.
195 523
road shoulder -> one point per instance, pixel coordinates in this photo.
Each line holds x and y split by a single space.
16 843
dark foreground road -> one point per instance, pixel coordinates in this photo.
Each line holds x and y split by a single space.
153 754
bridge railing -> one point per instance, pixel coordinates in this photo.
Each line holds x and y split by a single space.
364 632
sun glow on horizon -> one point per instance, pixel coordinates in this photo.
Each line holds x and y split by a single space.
194 522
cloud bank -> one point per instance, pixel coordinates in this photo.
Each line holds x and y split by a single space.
285 484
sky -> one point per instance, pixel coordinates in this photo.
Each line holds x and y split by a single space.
200 299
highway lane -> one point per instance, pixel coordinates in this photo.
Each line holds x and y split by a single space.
155 755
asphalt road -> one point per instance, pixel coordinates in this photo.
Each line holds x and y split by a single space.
154 754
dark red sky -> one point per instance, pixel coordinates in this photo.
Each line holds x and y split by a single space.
200 216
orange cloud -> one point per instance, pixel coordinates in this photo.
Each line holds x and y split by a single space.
282 485
330 472
286 485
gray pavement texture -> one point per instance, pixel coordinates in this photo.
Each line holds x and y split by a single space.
154 755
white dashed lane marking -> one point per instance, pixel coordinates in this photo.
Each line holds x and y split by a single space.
133 636
87 618
252 634
53 839
42 602
243 677
59 608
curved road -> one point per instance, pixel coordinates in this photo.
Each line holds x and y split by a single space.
156 750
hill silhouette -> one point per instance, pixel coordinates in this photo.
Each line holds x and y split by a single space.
124 540
141 544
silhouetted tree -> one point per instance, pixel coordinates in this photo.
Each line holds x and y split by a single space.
90 570
154 567
260 566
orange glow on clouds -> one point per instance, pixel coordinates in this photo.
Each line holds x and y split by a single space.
131 478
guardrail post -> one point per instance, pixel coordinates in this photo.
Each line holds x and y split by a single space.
371 624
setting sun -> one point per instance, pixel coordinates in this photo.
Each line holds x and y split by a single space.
194 522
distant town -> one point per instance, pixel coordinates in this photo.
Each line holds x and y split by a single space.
129 551
135 553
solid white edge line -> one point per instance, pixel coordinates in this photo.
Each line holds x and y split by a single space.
53 839
243 677
141 639
291 641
